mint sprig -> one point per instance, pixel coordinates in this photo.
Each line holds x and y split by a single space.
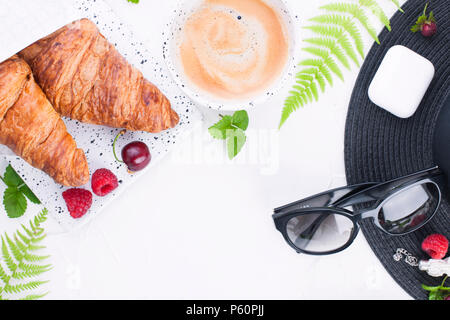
232 129
437 293
16 194
133 1
15 202
423 19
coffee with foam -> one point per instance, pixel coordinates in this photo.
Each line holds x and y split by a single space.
233 49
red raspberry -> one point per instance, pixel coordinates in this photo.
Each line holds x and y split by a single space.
436 245
78 201
103 182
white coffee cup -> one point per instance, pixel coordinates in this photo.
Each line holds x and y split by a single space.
200 97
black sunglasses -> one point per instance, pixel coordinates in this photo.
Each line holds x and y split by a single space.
328 222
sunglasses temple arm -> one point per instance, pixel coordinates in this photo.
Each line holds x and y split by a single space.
309 232
324 199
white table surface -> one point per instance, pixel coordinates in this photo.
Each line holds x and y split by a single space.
198 226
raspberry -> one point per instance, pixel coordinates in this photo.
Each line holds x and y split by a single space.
436 245
78 201
103 182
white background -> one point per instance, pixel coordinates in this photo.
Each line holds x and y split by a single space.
197 226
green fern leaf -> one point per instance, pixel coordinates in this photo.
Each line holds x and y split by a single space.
34 257
310 71
305 77
7 257
289 108
348 48
347 24
326 74
298 99
321 68
309 94
32 247
376 10
20 287
291 104
23 238
321 81
398 5
34 268
302 83
34 296
20 244
291 100
28 231
39 237
40 218
303 99
332 46
311 63
327 60
16 251
22 275
338 40
298 88
314 91
321 53
356 12
3 275
312 74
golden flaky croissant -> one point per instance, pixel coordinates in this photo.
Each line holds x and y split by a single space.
34 130
85 78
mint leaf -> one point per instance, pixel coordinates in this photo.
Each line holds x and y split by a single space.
439 292
415 28
133 1
231 128
29 194
431 17
16 194
235 141
15 202
421 19
11 178
240 119
219 130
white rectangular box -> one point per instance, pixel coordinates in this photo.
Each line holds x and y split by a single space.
401 81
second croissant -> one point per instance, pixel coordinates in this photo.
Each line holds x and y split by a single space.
31 128
85 78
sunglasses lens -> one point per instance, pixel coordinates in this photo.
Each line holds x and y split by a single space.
409 209
320 232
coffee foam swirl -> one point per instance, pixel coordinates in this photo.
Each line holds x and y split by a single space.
232 48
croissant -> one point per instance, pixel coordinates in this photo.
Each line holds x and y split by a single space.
31 128
85 78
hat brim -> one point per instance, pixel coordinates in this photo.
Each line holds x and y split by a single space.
380 146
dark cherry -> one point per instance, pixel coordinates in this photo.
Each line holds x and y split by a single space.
136 155
429 29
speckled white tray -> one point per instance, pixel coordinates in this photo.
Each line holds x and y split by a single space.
96 141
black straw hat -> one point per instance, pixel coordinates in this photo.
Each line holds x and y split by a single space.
379 146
